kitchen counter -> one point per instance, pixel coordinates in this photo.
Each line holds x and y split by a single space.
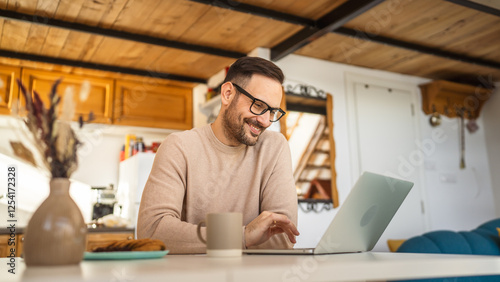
20 230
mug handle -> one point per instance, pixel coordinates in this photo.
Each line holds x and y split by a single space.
198 230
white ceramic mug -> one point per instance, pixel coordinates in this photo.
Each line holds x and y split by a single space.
224 234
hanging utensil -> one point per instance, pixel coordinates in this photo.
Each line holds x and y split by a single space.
435 119
471 124
462 138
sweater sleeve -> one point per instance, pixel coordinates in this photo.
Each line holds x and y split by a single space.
279 195
160 211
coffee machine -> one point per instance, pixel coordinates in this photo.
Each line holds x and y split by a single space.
105 201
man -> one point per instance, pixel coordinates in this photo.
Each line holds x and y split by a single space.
231 165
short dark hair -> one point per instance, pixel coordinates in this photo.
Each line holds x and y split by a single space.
242 70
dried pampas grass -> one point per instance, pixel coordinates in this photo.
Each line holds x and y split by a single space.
53 138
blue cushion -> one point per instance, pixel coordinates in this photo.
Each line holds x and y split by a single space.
484 240
442 241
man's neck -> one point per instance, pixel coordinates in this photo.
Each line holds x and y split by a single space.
219 133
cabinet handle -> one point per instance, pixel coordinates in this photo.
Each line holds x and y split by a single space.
22 239
129 238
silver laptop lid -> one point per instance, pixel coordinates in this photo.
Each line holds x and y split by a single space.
364 215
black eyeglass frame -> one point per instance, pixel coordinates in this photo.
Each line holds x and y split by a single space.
269 108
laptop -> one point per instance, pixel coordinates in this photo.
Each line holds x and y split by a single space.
361 219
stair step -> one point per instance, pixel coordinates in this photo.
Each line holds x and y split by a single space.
309 166
321 151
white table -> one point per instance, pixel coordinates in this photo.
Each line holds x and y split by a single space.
341 267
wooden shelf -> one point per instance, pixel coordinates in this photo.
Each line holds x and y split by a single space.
450 98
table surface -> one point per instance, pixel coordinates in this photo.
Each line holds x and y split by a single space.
368 266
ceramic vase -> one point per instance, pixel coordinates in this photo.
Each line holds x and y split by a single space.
56 233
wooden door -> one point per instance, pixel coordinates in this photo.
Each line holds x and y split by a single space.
384 135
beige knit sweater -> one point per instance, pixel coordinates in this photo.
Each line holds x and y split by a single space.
194 174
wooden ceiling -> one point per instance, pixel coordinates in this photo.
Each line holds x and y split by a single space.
456 40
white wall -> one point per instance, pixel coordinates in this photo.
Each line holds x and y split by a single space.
460 202
330 77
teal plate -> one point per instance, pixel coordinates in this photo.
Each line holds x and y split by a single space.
124 255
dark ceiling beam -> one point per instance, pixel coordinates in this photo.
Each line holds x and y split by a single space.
257 11
476 6
118 34
329 22
365 36
94 66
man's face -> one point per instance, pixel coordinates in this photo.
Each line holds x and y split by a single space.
240 125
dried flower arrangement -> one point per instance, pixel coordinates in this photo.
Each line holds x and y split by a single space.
53 138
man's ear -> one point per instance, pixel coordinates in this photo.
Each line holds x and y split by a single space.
227 93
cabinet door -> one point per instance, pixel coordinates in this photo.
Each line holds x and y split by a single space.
95 240
8 88
149 105
4 245
98 101
20 245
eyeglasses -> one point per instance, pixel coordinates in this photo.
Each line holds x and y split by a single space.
260 107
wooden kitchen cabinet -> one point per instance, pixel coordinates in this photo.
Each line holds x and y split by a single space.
95 240
5 247
153 105
9 92
99 100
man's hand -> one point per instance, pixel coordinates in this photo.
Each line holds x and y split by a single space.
266 225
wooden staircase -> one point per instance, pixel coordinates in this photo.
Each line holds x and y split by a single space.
314 174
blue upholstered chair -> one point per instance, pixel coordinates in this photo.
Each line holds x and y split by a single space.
484 240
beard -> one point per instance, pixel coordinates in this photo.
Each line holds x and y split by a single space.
234 126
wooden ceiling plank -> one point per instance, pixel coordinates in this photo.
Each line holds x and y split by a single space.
46 8
149 62
112 13
54 42
23 6
107 49
211 18
14 34
227 31
135 15
127 54
90 47
253 34
68 10
172 62
75 43
189 13
36 39
173 18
